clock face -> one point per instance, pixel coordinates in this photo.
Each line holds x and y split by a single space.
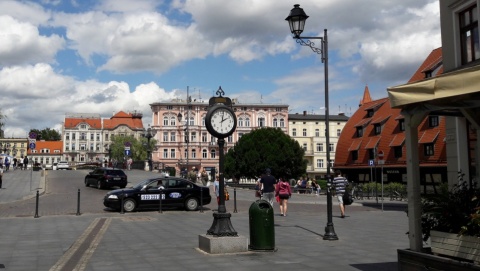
221 121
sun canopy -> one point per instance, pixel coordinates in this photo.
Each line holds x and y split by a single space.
453 90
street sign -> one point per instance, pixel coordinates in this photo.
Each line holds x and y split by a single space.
32 145
371 162
127 148
381 162
380 155
127 152
32 140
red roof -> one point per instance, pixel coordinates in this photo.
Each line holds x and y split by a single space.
355 145
51 146
429 136
398 140
372 143
122 118
391 134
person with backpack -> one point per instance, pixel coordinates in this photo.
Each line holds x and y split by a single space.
283 192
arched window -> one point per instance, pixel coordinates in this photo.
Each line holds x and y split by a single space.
212 154
240 122
204 154
275 122
173 121
247 122
165 121
282 123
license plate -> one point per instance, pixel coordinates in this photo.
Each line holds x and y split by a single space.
117 179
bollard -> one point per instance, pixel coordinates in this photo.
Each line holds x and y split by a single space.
160 203
234 199
36 206
78 202
201 200
121 204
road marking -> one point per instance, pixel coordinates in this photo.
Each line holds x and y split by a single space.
78 255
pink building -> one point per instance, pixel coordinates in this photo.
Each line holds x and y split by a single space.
183 141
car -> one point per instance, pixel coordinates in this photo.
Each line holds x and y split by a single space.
174 191
106 178
63 165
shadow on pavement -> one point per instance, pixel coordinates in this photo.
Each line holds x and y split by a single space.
388 266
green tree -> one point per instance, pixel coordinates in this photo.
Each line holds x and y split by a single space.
265 148
137 147
47 134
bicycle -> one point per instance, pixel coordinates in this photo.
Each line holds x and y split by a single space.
357 191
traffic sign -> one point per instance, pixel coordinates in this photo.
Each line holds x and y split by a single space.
381 162
32 145
371 162
127 152
380 155
127 148
32 140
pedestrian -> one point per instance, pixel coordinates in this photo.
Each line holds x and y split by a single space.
129 163
25 162
204 177
340 183
20 163
268 184
14 163
192 175
1 177
216 188
283 192
7 163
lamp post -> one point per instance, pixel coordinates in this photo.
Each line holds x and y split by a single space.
149 133
186 129
296 19
108 148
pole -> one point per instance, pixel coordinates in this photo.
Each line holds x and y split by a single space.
329 230
78 202
381 172
187 135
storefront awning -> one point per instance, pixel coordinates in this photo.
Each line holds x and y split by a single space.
453 90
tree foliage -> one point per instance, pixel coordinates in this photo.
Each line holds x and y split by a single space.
137 147
265 148
47 134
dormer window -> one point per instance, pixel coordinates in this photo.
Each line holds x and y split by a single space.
370 113
359 131
433 121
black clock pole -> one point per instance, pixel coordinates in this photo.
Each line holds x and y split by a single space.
222 226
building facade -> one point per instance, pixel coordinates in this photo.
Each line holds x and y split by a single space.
183 141
87 137
46 153
309 131
14 147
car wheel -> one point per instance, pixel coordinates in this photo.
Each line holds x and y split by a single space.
191 204
86 183
99 185
129 205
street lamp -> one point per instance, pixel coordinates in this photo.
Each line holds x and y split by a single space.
296 19
108 148
186 129
149 133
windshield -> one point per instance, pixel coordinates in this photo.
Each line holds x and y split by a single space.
142 183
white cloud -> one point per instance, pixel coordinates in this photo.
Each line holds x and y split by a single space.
20 43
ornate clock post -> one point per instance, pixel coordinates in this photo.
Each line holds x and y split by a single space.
221 122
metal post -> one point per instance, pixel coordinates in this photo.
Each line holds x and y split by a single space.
160 203
36 205
78 202
201 200
234 199
121 204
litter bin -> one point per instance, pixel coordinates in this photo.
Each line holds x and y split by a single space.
262 231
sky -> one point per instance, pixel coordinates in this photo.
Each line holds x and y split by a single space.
103 56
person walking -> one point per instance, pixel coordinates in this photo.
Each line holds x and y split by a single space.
1 176
216 188
20 163
340 183
268 184
14 163
284 192
25 162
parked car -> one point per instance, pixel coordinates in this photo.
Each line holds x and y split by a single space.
106 178
174 191
63 165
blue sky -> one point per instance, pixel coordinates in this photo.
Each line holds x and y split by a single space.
103 56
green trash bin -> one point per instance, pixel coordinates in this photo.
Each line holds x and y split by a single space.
262 231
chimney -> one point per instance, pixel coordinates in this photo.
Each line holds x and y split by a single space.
304 113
